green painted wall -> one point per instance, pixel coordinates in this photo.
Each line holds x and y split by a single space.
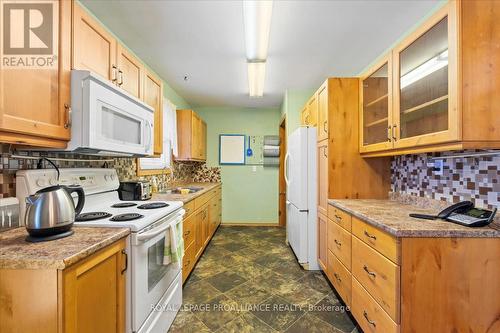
168 92
292 104
248 196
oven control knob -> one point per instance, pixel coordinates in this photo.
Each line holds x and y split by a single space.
41 182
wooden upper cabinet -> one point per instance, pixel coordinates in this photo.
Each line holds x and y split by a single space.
425 83
130 72
312 110
35 103
192 136
304 116
322 100
153 96
444 85
94 48
376 107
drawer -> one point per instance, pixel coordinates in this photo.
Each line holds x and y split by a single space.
377 239
340 277
201 200
339 242
188 260
340 217
189 208
378 275
188 230
369 315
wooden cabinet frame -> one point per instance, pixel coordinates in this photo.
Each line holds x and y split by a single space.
387 59
450 11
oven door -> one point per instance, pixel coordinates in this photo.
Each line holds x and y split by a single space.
150 278
118 122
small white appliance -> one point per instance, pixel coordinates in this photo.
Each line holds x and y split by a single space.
106 120
154 291
301 196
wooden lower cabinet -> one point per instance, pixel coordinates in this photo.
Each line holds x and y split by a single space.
203 216
322 242
88 296
368 313
413 284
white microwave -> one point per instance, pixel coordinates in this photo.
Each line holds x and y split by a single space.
105 120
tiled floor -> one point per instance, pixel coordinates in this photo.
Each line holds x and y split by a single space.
249 281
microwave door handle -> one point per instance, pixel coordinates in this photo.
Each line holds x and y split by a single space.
148 125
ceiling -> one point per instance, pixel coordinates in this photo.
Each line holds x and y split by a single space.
309 41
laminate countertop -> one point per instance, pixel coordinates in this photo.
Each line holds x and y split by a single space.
393 217
185 198
17 253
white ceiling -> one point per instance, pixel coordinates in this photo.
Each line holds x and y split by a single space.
310 40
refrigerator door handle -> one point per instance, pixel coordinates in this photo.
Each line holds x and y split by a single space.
287 181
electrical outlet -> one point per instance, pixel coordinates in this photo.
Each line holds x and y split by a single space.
438 167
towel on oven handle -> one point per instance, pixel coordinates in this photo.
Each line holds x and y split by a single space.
174 245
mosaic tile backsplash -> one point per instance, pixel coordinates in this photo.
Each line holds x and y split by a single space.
126 168
464 178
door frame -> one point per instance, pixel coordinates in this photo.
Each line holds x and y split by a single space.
281 177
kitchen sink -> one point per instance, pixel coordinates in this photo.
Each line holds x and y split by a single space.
177 190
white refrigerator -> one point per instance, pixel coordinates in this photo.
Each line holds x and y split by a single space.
301 196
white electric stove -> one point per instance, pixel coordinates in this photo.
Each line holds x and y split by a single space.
154 291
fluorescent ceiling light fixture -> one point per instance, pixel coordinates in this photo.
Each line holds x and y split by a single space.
257 18
256 77
428 67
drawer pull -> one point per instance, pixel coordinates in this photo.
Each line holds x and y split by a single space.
370 236
371 322
337 242
368 271
339 218
337 277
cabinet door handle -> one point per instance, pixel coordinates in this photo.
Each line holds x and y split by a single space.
370 236
338 243
324 152
368 271
187 233
325 129
70 112
337 277
126 261
339 218
371 322
307 120
394 132
389 133
187 263
113 73
120 77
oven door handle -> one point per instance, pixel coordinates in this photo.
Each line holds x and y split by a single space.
154 232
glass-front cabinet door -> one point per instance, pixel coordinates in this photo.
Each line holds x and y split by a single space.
425 84
376 108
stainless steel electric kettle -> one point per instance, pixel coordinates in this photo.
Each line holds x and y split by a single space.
52 211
